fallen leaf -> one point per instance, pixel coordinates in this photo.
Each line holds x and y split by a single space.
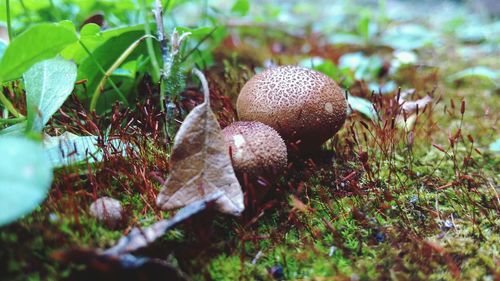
125 267
139 238
200 163
70 149
477 72
410 106
119 261
361 105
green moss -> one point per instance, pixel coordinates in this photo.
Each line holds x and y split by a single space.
228 268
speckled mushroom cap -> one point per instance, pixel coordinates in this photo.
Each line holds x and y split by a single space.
300 103
255 148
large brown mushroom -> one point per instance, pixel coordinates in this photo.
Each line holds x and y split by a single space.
303 105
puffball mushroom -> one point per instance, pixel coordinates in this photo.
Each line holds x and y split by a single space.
256 149
107 210
301 104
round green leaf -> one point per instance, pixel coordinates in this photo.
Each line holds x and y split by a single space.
48 84
25 177
37 43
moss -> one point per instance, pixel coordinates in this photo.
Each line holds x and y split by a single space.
228 268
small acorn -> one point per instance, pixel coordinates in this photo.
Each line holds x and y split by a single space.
302 105
255 149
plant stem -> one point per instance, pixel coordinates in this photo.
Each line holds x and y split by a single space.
101 69
205 11
162 38
158 12
9 24
25 10
112 68
54 11
12 120
149 42
7 104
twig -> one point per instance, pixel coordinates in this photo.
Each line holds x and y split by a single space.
139 238
168 90
158 12
445 186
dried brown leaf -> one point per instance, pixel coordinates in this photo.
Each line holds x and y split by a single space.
200 163
139 238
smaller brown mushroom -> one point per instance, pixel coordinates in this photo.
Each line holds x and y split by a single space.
255 149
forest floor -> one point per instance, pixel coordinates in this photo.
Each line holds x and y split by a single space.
393 196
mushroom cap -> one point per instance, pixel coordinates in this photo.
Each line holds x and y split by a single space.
255 148
299 103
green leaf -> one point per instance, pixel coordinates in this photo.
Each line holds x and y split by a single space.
92 37
343 76
171 4
364 68
106 54
39 42
25 177
363 106
409 37
196 33
90 30
345 39
128 69
3 46
48 84
366 27
479 71
384 88
241 7
495 146
69 149
14 130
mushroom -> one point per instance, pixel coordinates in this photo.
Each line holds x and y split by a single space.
255 149
303 105
107 210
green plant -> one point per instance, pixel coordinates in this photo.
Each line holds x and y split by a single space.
25 177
